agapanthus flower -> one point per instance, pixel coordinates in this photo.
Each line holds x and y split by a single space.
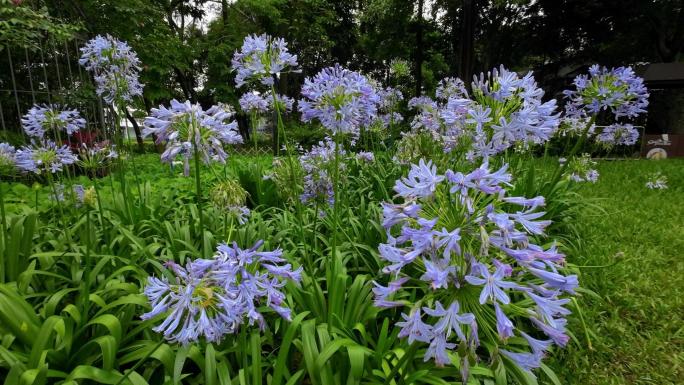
97 157
252 103
365 156
213 297
44 156
342 100
575 126
657 181
186 128
115 67
84 196
509 110
285 103
318 166
582 169
7 158
46 118
260 58
617 90
230 197
470 252
448 88
618 134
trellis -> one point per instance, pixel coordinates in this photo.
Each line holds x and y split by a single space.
46 74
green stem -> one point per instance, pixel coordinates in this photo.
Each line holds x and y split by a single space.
404 359
59 206
86 271
198 191
137 364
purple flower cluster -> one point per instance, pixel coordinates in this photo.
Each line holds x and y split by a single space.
44 156
470 251
340 99
617 90
115 67
186 128
213 297
7 158
318 166
387 106
582 169
260 58
448 88
657 181
618 134
509 110
41 119
252 103
98 156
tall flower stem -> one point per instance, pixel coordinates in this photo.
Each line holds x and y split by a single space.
100 209
198 191
135 167
86 272
281 131
59 205
254 122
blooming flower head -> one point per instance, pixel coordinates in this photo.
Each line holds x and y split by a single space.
85 196
657 181
470 252
448 88
213 297
318 166
260 58
582 169
342 100
115 67
96 157
46 156
285 103
576 126
51 118
617 90
187 129
252 103
365 156
618 134
7 158
508 111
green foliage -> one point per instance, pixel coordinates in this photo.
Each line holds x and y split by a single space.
23 26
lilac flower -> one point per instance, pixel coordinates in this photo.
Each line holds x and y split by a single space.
618 134
40 119
527 361
261 58
389 99
318 166
340 99
213 297
504 326
414 328
493 285
187 128
438 350
617 90
538 346
7 158
46 156
448 88
252 103
438 273
422 181
115 67
496 250
450 319
285 103
367 157
393 214
382 293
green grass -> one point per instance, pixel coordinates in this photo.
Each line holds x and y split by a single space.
637 327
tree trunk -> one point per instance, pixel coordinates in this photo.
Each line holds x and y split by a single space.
465 70
419 50
136 128
224 12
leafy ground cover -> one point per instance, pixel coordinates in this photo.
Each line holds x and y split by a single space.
633 250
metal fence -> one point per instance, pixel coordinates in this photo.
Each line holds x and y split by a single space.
46 74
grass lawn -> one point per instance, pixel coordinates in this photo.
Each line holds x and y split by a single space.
637 327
